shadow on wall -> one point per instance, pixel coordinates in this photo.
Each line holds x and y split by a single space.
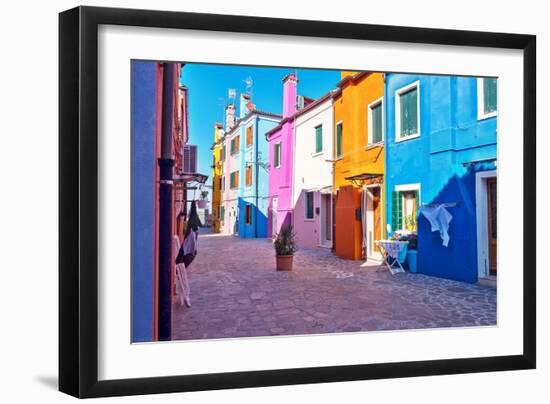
252 221
457 261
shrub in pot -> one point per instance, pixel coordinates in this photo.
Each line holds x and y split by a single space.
285 246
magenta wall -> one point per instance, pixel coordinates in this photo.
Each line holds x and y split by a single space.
280 178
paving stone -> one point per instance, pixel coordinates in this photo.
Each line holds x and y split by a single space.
237 292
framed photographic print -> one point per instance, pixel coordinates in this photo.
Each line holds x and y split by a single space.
251 201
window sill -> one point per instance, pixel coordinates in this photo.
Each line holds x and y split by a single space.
481 117
374 145
405 138
316 154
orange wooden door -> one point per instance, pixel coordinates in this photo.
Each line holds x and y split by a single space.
347 228
492 225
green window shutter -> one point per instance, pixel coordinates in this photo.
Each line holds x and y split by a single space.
409 112
222 213
414 111
277 154
489 95
309 205
376 116
396 211
404 117
319 139
339 140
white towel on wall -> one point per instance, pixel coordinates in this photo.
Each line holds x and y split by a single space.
439 218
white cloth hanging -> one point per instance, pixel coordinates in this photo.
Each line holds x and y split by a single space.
439 219
182 283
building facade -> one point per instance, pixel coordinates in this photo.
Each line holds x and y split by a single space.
245 195
441 150
359 165
313 174
281 160
155 88
218 157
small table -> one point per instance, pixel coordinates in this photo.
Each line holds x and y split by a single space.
390 251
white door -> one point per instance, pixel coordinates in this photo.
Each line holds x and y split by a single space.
370 224
274 204
326 220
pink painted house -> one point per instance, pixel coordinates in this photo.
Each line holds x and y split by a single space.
281 151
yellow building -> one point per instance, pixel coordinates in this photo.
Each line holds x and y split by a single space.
218 154
359 165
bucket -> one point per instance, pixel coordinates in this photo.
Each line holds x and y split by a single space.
412 256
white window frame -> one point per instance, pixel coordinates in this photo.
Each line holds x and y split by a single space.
379 101
409 188
482 229
398 93
481 101
280 153
309 219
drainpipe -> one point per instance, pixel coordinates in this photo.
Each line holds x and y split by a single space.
166 164
257 170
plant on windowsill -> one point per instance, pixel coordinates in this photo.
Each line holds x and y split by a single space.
201 203
285 246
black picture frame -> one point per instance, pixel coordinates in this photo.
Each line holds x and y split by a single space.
78 201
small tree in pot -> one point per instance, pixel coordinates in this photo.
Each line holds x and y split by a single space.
285 247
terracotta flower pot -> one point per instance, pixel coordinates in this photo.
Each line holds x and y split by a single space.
284 262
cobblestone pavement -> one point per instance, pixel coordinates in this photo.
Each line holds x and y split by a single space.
236 292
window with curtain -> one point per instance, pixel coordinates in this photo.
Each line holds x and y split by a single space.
309 205
277 154
376 126
404 210
489 95
408 112
339 133
319 139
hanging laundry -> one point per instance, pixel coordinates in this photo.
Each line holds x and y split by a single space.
439 219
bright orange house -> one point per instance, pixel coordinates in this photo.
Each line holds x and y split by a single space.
359 165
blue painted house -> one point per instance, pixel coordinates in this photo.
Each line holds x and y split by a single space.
252 159
441 148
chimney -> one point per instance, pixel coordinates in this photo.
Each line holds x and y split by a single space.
218 131
244 106
229 117
290 83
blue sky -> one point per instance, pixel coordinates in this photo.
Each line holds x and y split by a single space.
208 94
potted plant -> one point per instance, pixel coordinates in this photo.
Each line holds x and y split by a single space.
285 247
201 203
412 252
